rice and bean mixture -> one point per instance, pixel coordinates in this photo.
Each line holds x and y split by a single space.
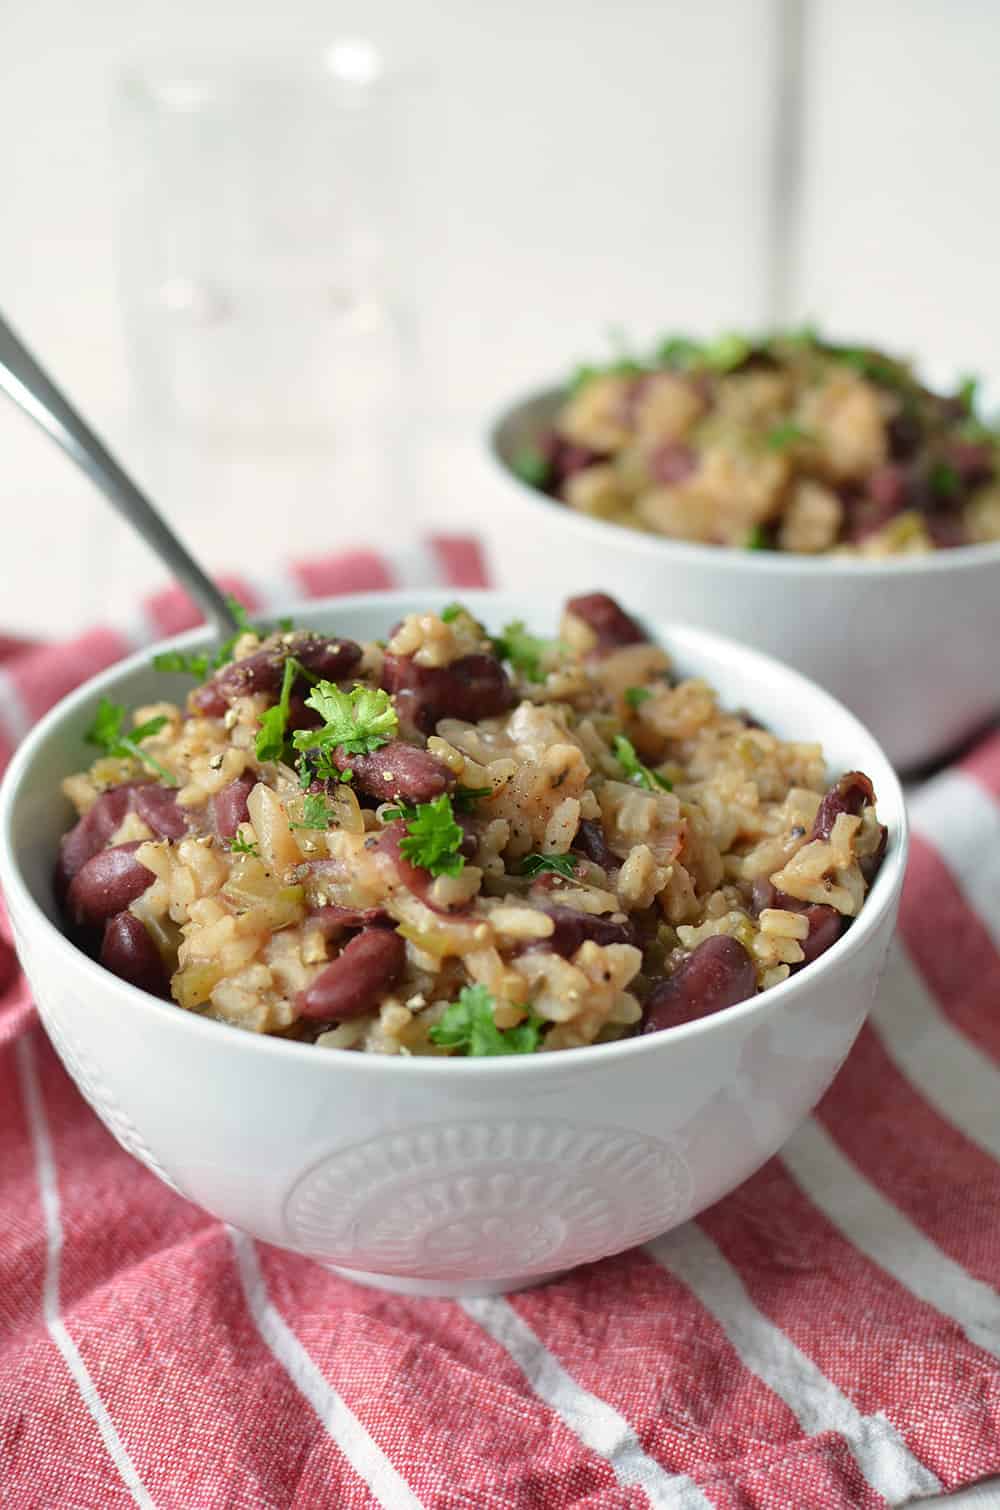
791 443
455 843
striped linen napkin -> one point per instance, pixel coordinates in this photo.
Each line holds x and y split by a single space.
827 1336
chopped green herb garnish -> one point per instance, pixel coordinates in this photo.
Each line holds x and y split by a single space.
558 865
531 465
524 651
465 797
355 722
433 838
270 744
726 353
635 771
240 846
468 1025
316 812
581 377
200 664
635 696
677 351
785 434
873 365
197 666
944 480
451 612
968 389
108 734
757 539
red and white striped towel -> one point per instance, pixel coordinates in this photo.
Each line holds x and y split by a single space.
827 1336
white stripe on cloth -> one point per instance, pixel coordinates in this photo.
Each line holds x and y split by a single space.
595 1423
15 719
961 822
960 1083
345 1430
878 1228
414 563
48 1187
690 1255
277 591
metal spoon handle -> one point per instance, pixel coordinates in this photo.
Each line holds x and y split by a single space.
29 386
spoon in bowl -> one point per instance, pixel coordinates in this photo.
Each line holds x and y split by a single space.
25 381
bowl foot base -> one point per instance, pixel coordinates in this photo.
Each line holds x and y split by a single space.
444 1289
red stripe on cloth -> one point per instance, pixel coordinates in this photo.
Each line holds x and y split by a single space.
870 1337
947 1186
351 571
172 611
955 953
52 1451
43 676
198 1452
461 560
464 1429
984 764
649 1363
12 645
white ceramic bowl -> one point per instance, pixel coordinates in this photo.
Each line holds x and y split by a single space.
447 1176
907 644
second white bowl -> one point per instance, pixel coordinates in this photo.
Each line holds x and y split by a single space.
906 643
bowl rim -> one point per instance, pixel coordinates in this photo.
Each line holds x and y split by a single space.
880 902
727 558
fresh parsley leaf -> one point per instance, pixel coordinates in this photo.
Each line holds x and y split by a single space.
107 732
531 465
451 612
635 696
635 771
757 539
468 1025
465 797
286 625
968 389
581 377
944 480
197 666
786 433
677 351
558 865
316 812
727 352
240 846
433 839
524 651
270 743
804 335
355 722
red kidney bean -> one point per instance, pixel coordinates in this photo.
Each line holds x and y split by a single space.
849 794
887 489
230 805
564 459
157 806
972 460
87 837
825 923
397 771
717 974
572 928
413 877
671 462
946 530
352 984
128 952
591 843
871 864
333 920
612 625
329 659
108 882
471 688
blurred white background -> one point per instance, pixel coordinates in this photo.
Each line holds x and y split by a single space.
567 166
